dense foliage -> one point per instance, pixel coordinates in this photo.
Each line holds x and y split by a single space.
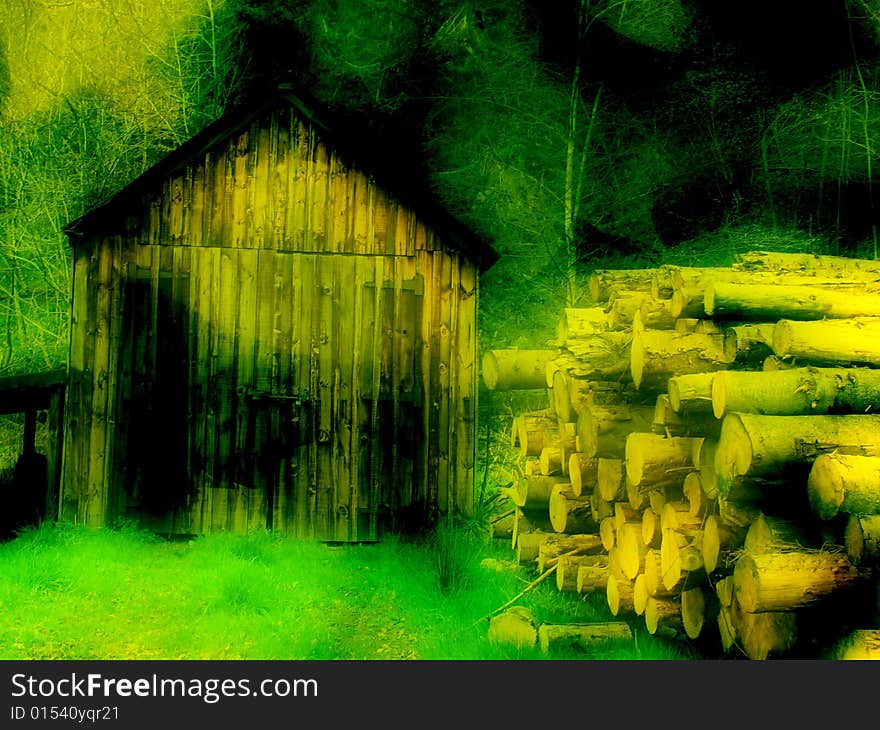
571 134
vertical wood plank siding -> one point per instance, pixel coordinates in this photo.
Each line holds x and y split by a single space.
271 341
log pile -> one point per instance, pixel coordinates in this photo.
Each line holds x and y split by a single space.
710 454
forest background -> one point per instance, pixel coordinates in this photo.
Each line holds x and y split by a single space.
573 135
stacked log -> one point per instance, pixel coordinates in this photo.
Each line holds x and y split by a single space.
711 449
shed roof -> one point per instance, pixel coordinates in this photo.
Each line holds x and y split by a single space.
355 146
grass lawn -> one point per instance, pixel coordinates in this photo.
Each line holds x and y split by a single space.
74 593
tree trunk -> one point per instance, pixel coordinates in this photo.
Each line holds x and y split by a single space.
790 580
681 563
607 532
602 431
806 263
772 534
536 432
599 508
692 424
570 514
763 635
697 605
862 644
658 355
550 550
757 446
550 461
862 539
724 591
751 342
525 523
593 578
841 483
691 393
534 492
804 391
629 306
726 628
528 546
719 539
630 549
655 461
654 576
560 636
515 369
515 627
501 526
567 567
762 302
640 594
846 341
651 533
583 472
611 479
692 490
772 363
620 595
677 516
600 283
663 613
581 322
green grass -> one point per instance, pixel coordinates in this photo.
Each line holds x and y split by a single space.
73 593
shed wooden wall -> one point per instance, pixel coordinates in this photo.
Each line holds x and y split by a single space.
270 340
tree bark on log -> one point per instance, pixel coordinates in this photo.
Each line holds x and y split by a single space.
570 514
845 341
528 546
691 393
599 508
806 263
771 303
583 472
841 483
568 567
619 593
550 461
755 446
528 522
557 545
772 534
657 355
534 492
556 636
861 644
802 391
581 322
593 578
611 478
752 343
655 461
791 580
762 635
602 430
501 526
602 282
537 431
689 424
515 369
862 539
515 627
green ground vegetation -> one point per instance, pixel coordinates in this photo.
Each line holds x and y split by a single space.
74 593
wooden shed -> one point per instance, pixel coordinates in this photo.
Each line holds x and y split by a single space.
272 329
